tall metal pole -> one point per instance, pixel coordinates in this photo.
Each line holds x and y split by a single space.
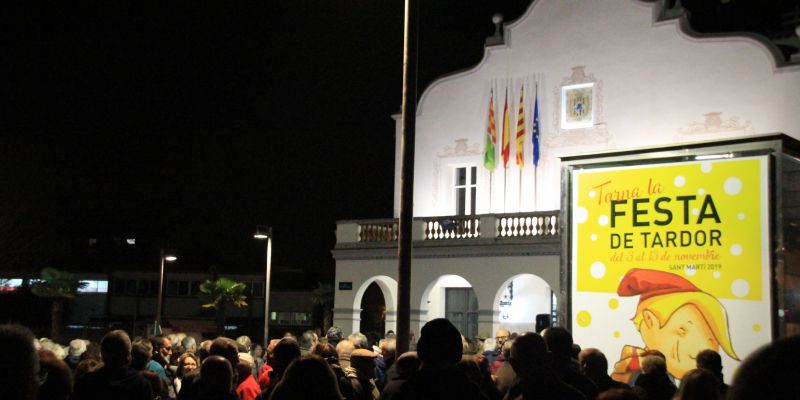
268 274
407 142
157 324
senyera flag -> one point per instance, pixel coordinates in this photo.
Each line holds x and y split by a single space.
521 128
506 149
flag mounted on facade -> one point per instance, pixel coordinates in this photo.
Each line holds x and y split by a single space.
491 138
536 129
505 151
520 142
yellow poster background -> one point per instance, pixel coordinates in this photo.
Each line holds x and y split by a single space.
703 220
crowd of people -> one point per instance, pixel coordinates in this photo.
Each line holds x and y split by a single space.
445 365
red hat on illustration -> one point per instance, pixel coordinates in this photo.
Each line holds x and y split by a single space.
648 283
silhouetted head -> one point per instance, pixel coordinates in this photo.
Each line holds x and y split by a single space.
559 341
698 384
768 373
19 363
593 362
529 353
710 360
216 376
115 348
439 343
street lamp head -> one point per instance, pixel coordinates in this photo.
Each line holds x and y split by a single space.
169 255
262 232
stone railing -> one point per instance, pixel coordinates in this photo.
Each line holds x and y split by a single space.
452 227
378 231
531 224
528 224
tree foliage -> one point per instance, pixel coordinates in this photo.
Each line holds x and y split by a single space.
322 295
223 291
56 284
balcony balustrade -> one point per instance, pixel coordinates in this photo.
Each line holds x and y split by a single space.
455 227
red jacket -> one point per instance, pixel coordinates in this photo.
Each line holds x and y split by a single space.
248 389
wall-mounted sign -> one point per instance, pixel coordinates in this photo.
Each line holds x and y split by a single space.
673 257
345 285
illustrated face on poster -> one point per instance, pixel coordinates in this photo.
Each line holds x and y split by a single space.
671 257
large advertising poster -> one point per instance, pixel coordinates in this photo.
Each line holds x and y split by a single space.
671 257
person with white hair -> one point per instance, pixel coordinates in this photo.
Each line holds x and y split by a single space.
76 348
247 388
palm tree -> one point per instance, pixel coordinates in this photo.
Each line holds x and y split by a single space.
322 296
219 294
58 286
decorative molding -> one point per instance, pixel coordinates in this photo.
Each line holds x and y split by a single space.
466 248
713 123
597 133
461 148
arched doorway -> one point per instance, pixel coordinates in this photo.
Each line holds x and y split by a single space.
373 310
375 305
452 297
520 299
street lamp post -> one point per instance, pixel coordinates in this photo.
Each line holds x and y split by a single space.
263 232
166 256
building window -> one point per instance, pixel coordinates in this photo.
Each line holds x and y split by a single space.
465 190
94 287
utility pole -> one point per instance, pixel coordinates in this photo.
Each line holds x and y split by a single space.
407 141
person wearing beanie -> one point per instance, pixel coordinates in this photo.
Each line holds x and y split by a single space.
674 317
439 350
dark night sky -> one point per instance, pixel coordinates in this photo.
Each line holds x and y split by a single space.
186 125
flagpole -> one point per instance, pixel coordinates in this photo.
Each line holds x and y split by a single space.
535 166
522 144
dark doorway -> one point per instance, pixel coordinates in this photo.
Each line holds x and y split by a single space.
373 310
461 308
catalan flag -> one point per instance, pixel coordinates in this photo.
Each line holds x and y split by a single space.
520 144
536 130
506 149
489 153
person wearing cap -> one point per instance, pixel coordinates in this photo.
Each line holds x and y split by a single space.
674 317
359 380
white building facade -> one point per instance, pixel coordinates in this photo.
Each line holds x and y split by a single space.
605 76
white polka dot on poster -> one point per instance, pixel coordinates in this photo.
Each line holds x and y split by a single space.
581 215
740 288
716 274
695 211
592 194
740 216
597 269
733 186
690 270
701 191
603 220
680 181
593 237
736 249
705 167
